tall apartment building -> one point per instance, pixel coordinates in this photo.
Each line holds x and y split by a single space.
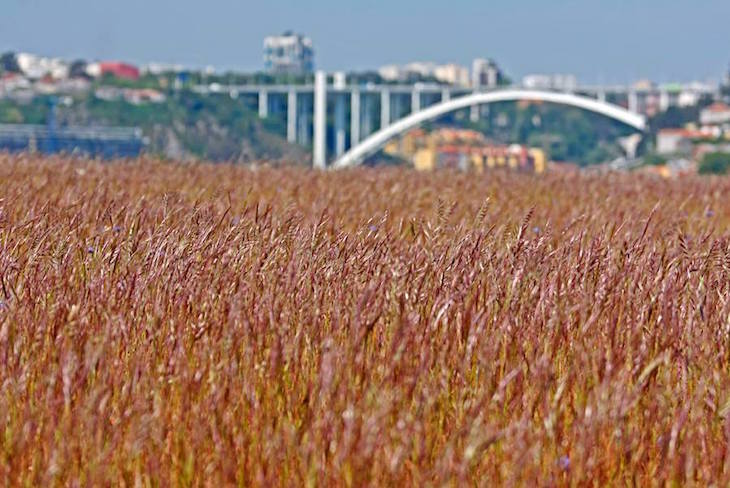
288 53
485 73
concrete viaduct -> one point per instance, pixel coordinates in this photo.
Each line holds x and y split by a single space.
400 107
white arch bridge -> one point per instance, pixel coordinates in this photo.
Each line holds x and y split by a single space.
376 141
398 108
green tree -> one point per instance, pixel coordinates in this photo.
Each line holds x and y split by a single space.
654 159
714 163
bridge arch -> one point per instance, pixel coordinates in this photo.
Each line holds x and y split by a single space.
376 141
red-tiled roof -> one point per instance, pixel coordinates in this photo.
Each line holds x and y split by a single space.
688 133
718 107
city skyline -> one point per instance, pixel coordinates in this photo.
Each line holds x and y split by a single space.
664 41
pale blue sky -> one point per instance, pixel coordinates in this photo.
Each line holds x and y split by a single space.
598 40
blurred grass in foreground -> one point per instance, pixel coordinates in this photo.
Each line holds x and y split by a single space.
184 325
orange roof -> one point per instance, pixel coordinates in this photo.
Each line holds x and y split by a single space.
718 107
464 133
453 149
688 133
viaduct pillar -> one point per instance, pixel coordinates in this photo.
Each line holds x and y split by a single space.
291 116
340 110
415 101
355 117
384 108
263 104
320 120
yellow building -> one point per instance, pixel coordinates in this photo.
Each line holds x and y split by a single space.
424 159
539 160
463 149
392 148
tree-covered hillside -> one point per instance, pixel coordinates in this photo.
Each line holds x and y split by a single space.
184 125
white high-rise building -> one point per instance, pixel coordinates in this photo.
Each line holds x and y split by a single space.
485 73
288 53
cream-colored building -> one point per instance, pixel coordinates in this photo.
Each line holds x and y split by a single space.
463 149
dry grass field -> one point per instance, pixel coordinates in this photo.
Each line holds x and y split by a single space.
212 325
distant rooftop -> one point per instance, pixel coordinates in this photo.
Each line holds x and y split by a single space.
718 107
